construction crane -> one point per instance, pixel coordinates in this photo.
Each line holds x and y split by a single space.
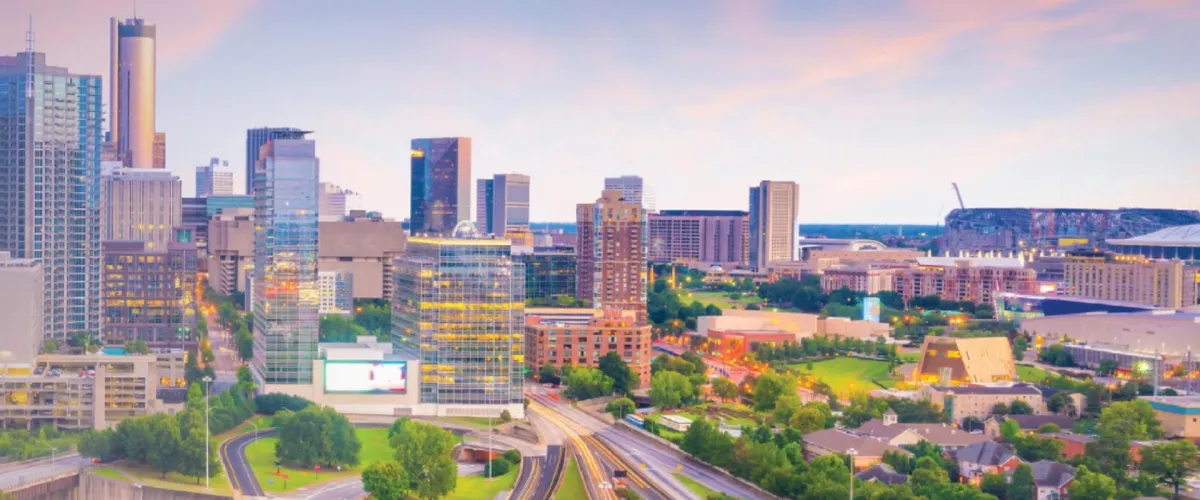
959 194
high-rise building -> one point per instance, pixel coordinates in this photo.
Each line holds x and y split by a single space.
1170 283
634 190
285 262
701 238
549 274
469 286
160 150
131 92
230 252
50 184
214 179
441 184
256 137
141 205
335 203
503 204
367 247
585 250
337 292
618 249
21 300
149 293
773 207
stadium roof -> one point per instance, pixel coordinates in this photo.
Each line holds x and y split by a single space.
974 261
1177 236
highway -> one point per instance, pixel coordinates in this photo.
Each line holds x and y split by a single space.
15 475
233 458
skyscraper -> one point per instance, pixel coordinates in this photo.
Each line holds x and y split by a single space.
773 207
256 137
441 184
634 189
618 248
585 250
503 204
50 184
459 307
285 262
141 205
131 92
214 179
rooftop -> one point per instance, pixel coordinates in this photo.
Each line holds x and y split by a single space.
992 389
840 441
939 434
1034 422
1048 474
987 453
1177 236
699 213
973 261
882 473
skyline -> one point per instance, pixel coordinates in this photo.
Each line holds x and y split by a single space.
890 99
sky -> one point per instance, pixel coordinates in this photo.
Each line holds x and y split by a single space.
872 107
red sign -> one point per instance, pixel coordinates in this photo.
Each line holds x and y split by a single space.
317 468
285 476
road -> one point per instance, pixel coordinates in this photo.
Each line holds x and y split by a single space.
233 458
16 475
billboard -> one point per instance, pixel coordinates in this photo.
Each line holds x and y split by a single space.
366 377
870 308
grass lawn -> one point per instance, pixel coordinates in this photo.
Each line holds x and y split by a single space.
109 472
472 422
478 487
701 411
699 489
840 373
1029 373
173 481
572 483
261 456
263 422
910 357
719 299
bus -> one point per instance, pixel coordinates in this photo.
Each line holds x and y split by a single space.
635 421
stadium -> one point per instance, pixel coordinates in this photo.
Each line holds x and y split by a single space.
985 229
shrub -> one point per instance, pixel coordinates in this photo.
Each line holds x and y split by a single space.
270 404
513 456
498 467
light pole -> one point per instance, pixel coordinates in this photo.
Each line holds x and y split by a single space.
207 388
852 452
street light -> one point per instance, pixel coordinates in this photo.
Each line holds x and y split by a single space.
207 388
852 452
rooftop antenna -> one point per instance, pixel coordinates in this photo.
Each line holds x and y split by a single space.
29 57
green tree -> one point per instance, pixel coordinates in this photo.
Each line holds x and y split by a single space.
928 475
244 342
863 408
136 347
49 346
1092 485
98 444
1107 368
548 374
315 436
1019 407
1058 402
615 368
375 318
586 382
163 443
769 386
1019 345
1021 487
386 480
811 417
426 452
1172 461
995 484
1032 448
192 457
621 407
670 389
724 388
785 407
339 328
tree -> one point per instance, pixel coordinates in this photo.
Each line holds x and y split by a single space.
163 443
98 444
1000 409
669 389
1021 486
192 453
786 406
615 368
1032 448
1058 402
811 417
270 404
1019 345
244 341
586 382
724 388
621 407
136 347
1091 485
972 423
891 300
1106 368
1172 461
1049 428
995 484
548 374
339 328
1018 407
315 436
426 452
386 480
1132 419
770 386
927 475
49 346
374 317
863 408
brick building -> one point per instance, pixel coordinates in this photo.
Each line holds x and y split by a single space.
582 341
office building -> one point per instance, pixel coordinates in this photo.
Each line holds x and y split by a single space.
976 279
441 184
773 208
336 290
549 274
214 179
1130 278
255 138
141 205
633 190
503 205
469 285
616 258
364 246
583 343
700 238
285 263
335 203
131 97
22 298
149 293
50 184
218 204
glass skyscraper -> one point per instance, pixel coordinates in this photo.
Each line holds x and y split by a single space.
459 308
256 137
286 296
50 141
441 184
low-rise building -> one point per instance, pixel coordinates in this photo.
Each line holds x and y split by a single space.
584 340
978 401
1027 423
883 474
1129 337
987 457
801 325
950 361
1179 415
977 280
1052 479
91 391
675 422
867 451
864 279
1073 444
949 437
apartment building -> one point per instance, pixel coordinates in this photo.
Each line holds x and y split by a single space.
617 261
1130 278
700 238
866 279
583 341
978 280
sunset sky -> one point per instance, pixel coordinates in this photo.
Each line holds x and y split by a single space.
873 107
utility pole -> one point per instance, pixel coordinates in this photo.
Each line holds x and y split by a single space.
207 390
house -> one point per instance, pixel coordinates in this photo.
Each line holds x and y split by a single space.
1052 479
978 400
947 436
867 451
985 458
1028 423
882 473
1073 444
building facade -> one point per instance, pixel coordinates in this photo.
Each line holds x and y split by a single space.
585 251
230 252
336 292
978 280
459 310
700 237
583 343
141 205
618 254
503 204
22 298
773 208
365 246
1130 278
335 203
50 184
214 179
285 263
549 274
866 279
633 190
256 138
149 293
132 94
441 184
86 392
